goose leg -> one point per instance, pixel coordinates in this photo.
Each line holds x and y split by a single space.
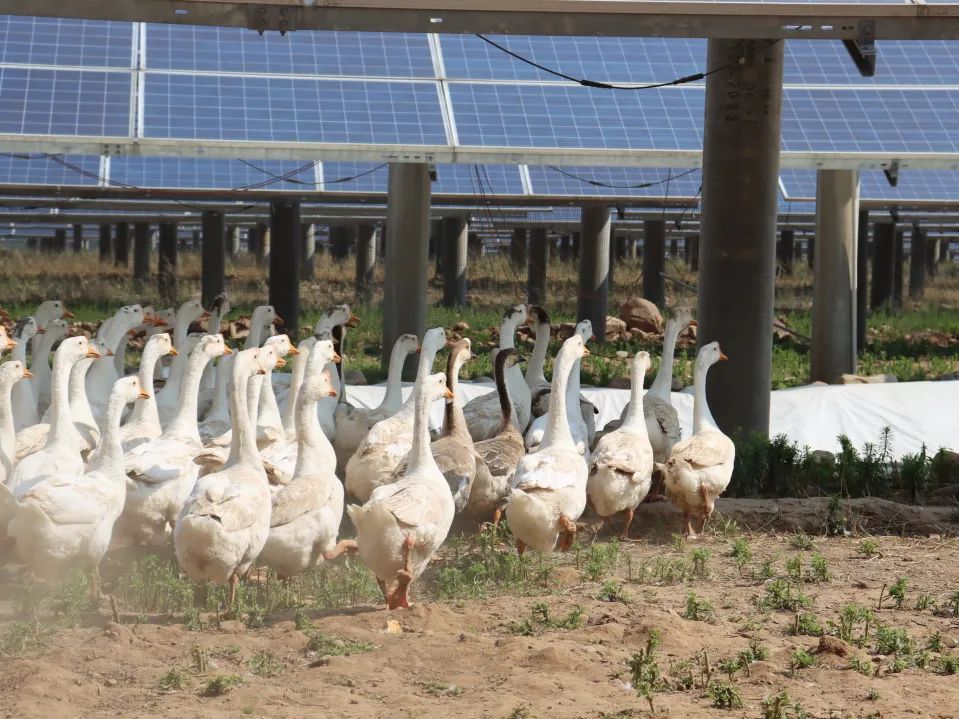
568 533
520 547
497 515
688 529
629 520
399 597
386 594
231 602
344 546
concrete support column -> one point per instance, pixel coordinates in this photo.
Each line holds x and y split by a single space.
932 256
141 250
537 266
786 251
517 247
121 246
740 194
593 297
233 240
78 245
60 239
285 235
340 237
166 265
365 261
883 261
105 247
454 239
565 248
213 257
654 261
862 279
835 275
692 242
811 251
917 264
263 241
308 250
407 260
897 268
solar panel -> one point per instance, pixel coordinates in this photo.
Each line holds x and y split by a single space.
211 173
64 102
619 181
46 41
40 170
218 49
354 177
236 107
873 185
464 179
933 62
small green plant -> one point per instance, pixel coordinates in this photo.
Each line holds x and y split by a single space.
173 681
835 516
898 592
869 547
873 695
807 624
730 666
741 553
758 650
612 591
520 711
644 668
22 637
221 684
201 660
325 645
794 568
863 666
781 706
700 557
725 696
541 620
264 663
698 610
935 642
801 659
850 617
781 595
952 601
800 541
192 620
441 689
601 559
302 621
924 602
892 640
820 569
948 665
766 570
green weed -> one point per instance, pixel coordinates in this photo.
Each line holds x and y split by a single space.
325 645
725 696
264 663
221 684
698 610
173 681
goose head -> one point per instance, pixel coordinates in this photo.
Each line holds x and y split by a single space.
211 346
505 359
435 387
25 329
267 359
408 344
165 317
264 316
641 364
460 354
189 312
682 318
129 389
12 372
317 384
575 347
160 343
537 318
100 347
709 355
74 349
55 331
50 310
282 345
584 328
514 317
221 305
335 316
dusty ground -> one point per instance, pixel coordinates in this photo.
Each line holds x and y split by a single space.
471 657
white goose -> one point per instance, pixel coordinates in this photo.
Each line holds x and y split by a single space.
162 471
332 326
621 467
699 468
11 372
297 374
403 524
548 490
103 374
46 312
220 308
577 425
391 439
42 380
354 423
168 398
144 423
225 521
306 513
536 368
24 400
66 520
483 413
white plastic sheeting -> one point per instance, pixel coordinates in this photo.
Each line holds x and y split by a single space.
813 416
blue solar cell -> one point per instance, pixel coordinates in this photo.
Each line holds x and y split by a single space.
873 185
354 177
478 180
222 49
559 116
619 181
933 62
64 102
39 170
233 107
46 41
211 173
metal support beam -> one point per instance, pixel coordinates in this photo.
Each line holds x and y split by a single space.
141 251
740 193
537 267
106 242
166 265
862 279
407 256
213 258
917 263
454 239
121 246
308 251
593 298
897 268
60 239
883 262
285 234
517 247
78 245
654 262
833 351
365 262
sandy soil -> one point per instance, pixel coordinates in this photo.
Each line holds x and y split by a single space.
464 658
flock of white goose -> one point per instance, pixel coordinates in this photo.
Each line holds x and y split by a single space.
241 468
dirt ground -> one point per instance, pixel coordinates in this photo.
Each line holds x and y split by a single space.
494 656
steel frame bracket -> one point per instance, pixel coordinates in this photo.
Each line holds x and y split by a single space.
892 173
281 18
862 50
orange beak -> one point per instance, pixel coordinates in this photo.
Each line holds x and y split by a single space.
294 350
143 395
110 353
227 351
11 344
69 315
92 353
27 374
331 393
447 394
280 362
722 356
278 320
418 350
693 323
336 358
40 330
353 321
261 371
173 352
585 352
206 313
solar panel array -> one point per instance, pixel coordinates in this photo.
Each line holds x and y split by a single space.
72 78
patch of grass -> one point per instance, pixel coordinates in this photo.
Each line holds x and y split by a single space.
21 638
325 645
852 616
935 642
221 684
782 596
725 696
201 660
540 620
72 597
948 665
893 640
644 669
820 569
521 711
612 591
765 569
873 695
807 624
869 547
801 659
782 706
600 560
758 650
173 681
155 586
863 666
801 541
794 568
898 592
700 557
441 689
698 610
741 553
264 663
924 602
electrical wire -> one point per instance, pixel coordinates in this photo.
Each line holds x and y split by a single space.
638 186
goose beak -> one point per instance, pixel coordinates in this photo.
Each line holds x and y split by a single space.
173 352
40 330
109 353
69 315
204 314
143 395
353 321
331 393
93 354
722 356
227 351
592 338
585 352
336 358
294 350
280 362
418 349
693 323
447 394
261 371
11 344
27 374
278 320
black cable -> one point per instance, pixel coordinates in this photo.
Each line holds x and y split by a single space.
338 180
639 186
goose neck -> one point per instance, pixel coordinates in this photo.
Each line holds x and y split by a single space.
61 426
243 394
663 383
312 444
421 456
502 392
394 381
79 403
454 420
507 330
535 371
109 455
702 417
635 420
184 422
8 430
146 409
557 425
297 374
41 353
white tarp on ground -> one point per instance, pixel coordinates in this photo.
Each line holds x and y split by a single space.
813 416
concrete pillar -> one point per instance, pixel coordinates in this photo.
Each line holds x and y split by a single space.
121 247
407 260
654 261
340 238
897 267
105 247
692 241
285 235
932 256
233 240
786 251
917 264
60 239
673 248
365 261
565 248
141 251
166 265
835 274
78 244
455 236
883 261
308 251
592 301
862 279
537 266
474 245
263 241
213 257
517 247
740 194
811 251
